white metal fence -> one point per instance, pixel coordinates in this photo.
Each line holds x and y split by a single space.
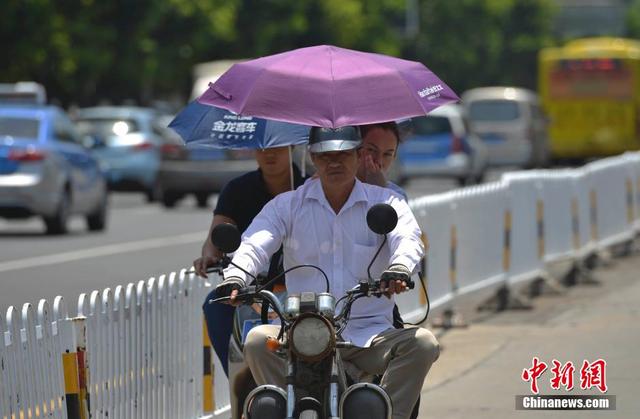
139 351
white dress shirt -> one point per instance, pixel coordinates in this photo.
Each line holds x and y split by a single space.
340 244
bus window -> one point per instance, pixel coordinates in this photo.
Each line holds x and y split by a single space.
601 78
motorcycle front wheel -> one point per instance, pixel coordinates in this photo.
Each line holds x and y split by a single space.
267 405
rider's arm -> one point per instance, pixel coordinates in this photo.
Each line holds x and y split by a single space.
262 238
405 243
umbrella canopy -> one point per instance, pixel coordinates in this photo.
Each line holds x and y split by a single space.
207 126
329 87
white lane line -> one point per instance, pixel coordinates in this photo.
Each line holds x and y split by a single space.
94 252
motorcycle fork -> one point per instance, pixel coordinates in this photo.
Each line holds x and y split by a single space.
291 392
334 388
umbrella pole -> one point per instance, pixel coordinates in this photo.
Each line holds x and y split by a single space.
303 163
291 167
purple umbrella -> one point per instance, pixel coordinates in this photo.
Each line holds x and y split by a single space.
329 86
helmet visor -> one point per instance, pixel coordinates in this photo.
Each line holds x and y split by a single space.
323 140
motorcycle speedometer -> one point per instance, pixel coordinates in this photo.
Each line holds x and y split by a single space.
292 306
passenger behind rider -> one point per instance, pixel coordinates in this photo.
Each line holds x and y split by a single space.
379 149
239 202
323 223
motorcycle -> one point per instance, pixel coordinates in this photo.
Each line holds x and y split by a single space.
318 385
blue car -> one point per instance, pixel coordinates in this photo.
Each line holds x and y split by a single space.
128 145
440 145
46 170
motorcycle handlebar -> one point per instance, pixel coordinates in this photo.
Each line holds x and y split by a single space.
247 295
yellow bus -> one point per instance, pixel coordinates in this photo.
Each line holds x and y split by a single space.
590 90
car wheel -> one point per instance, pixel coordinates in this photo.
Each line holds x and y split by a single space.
97 220
462 181
155 193
202 199
479 178
169 200
57 223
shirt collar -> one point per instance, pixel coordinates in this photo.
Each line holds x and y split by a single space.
358 194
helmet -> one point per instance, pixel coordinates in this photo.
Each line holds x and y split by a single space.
322 140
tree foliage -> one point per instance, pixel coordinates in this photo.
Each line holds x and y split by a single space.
483 42
84 51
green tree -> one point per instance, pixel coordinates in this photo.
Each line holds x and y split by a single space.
482 42
84 51
632 19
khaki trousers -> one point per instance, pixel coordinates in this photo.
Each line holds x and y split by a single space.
402 356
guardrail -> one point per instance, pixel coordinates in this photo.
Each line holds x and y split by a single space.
139 351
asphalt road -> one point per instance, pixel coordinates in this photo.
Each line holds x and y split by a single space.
142 240
479 370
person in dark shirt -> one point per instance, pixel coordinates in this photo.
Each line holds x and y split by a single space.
239 202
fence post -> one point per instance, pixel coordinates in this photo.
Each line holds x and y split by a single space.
575 223
453 278
593 212
207 371
540 224
629 196
506 256
75 370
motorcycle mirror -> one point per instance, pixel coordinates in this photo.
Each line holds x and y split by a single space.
226 237
382 218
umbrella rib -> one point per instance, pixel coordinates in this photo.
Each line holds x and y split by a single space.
198 123
333 87
253 85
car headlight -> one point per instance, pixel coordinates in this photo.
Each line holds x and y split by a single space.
312 337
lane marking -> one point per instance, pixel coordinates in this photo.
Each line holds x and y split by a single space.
109 250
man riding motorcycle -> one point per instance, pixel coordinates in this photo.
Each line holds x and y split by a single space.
323 223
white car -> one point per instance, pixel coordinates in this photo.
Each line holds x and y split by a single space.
510 122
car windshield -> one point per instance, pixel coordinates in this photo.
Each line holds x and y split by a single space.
105 127
431 125
19 127
494 110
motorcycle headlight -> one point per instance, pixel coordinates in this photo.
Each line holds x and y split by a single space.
312 337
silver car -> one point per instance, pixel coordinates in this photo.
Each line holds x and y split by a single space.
127 144
511 124
201 171
46 170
